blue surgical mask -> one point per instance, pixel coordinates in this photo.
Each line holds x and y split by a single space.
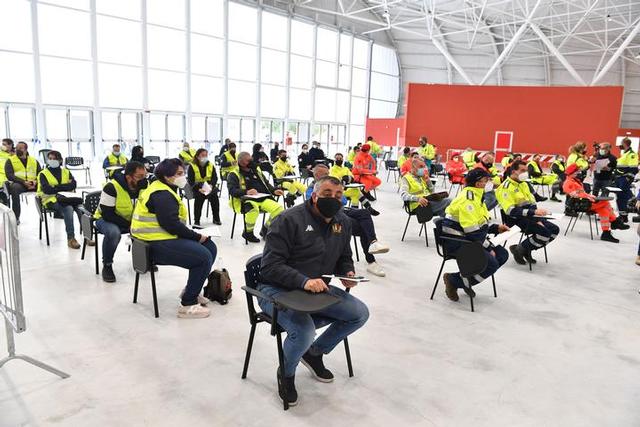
420 172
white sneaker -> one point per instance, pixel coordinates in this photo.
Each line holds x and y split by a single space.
193 312
375 269
378 248
202 300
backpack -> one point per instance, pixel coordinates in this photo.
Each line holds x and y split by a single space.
219 286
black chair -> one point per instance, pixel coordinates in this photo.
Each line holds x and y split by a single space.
153 159
575 208
423 226
525 233
296 300
43 213
392 167
244 223
89 231
470 257
143 263
77 163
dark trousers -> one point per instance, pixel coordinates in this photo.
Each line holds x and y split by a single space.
16 189
623 197
599 185
198 203
493 264
362 226
195 256
541 232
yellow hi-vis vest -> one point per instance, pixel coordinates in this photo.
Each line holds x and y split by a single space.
559 164
235 202
339 171
468 210
124 204
208 173
26 174
428 151
187 156
417 187
281 169
144 224
230 158
579 160
121 160
506 160
628 159
48 199
469 159
512 194
4 156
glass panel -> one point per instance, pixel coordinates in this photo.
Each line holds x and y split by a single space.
300 104
384 87
382 109
109 126
248 129
384 60
214 129
166 48
301 72
265 131
198 128
342 107
359 82
274 31
66 81
157 127
156 148
56 124
21 124
207 55
166 90
3 124
272 101
358 110
120 86
81 126
64 32
344 77
277 129
175 128
207 94
242 61
327 44
316 133
325 105
16 77
167 12
360 53
326 73
242 98
82 149
61 146
356 134
301 38
119 41
303 132
233 129
129 123
243 22
15 30
345 48
124 8
78 4
207 16
274 67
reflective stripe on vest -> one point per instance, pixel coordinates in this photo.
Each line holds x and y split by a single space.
144 224
234 202
48 199
26 174
124 204
208 173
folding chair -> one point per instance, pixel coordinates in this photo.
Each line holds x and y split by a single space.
525 234
392 167
143 263
423 226
77 163
42 213
575 208
89 231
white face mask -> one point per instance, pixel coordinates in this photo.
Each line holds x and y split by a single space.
180 181
603 152
203 160
53 163
185 148
523 176
116 153
488 187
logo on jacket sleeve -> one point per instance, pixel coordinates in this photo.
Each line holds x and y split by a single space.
309 228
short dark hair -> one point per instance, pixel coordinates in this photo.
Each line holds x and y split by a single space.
369 138
282 151
115 145
338 154
131 167
515 165
55 154
7 141
137 151
22 142
200 151
227 141
167 168
231 145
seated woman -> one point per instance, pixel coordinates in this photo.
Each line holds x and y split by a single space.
51 181
159 218
203 171
608 220
456 169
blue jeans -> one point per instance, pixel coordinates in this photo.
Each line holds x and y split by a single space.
195 256
494 263
345 317
112 234
67 214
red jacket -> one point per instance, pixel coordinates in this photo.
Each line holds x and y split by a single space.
456 170
363 164
574 188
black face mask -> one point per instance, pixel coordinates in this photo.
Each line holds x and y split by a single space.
581 175
487 165
141 184
284 158
339 162
232 152
328 206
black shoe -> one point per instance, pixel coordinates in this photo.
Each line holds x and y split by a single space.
469 291
555 199
107 273
155 268
449 288
529 257
372 211
217 222
196 225
607 237
290 200
287 389
518 254
263 232
539 198
369 196
250 237
624 218
316 367
619 224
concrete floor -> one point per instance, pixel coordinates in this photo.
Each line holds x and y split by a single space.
558 347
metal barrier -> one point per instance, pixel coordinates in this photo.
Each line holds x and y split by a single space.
11 307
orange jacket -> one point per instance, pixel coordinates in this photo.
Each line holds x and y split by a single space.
574 188
364 163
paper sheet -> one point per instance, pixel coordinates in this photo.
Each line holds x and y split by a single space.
206 189
69 194
211 231
601 163
257 196
503 237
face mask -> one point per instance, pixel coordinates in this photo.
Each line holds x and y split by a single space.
20 153
487 165
53 163
233 152
328 206
488 187
139 185
185 147
420 172
603 152
284 158
455 159
203 160
305 150
523 176
339 162
180 181
116 153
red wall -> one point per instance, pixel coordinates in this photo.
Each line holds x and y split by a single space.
629 132
543 119
384 131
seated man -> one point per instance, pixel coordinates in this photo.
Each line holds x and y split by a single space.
361 225
338 170
303 244
113 216
282 169
519 205
22 171
249 180
187 154
304 162
573 188
558 168
365 169
537 175
406 166
115 158
228 161
52 180
486 163
415 186
469 157
456 169
351 157
468 218
406 153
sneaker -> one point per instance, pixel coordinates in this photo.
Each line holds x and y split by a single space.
608 237
638 260
378 248
375 269
287 389
624 218
107 273
316 367
372 211
250 237
202 300
195 311
196 225
449 288
518 254
368 196
73 243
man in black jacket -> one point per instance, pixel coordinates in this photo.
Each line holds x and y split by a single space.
303 244
113 216
604 177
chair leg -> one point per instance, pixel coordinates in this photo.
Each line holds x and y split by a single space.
590 228
135 288
348 354
546 259
153 290
84 248
189 211
568 225
388 172
46 227
405 228
281 364
435 286
233 225
355 243
575 221
249 347
426 235
97 256
40 229
472 308
493 282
